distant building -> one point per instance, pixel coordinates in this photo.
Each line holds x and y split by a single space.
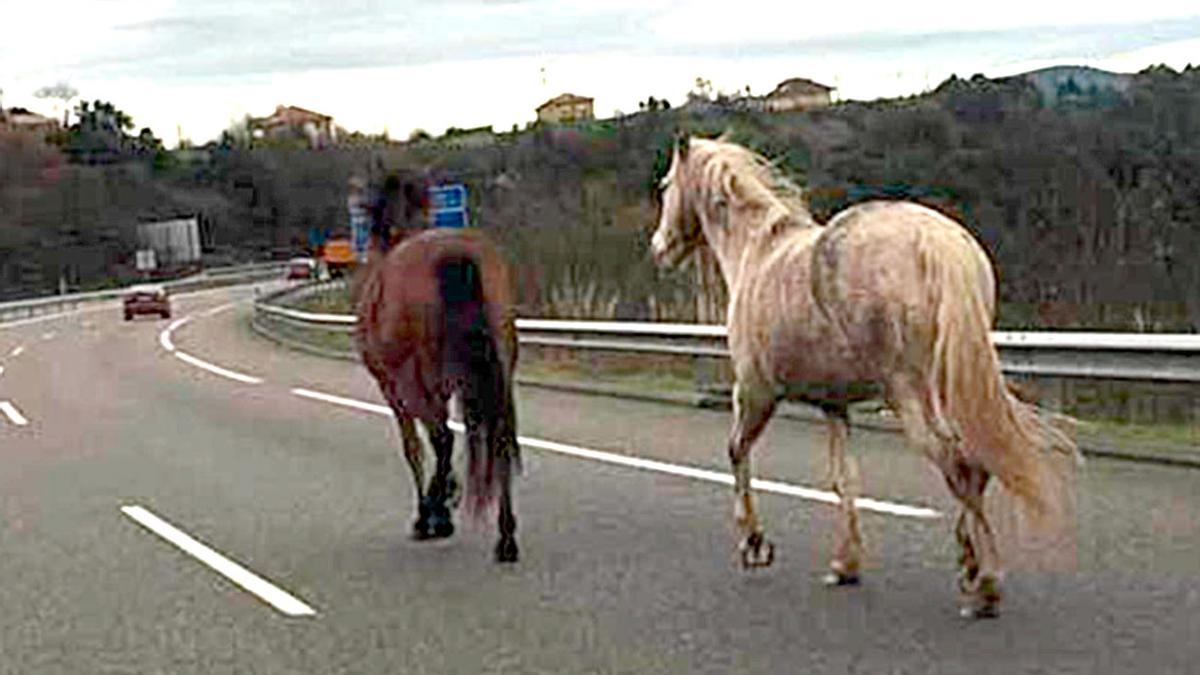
566 108
291 122
797 94
20 119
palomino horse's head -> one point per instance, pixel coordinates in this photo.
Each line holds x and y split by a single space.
679 230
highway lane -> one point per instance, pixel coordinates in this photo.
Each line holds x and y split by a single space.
623 570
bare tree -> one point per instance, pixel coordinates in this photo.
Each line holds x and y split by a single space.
63 92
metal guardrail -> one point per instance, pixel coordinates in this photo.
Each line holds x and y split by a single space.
18 309
1169 358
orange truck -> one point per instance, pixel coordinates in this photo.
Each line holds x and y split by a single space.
338 254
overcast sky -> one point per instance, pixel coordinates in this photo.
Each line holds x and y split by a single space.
404 64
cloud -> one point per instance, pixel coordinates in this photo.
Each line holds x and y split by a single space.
279 38
428 62
271 37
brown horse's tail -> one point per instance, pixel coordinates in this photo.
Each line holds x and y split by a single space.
473 353
1004 435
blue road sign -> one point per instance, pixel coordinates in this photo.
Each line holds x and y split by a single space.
448 196
360 229
449 205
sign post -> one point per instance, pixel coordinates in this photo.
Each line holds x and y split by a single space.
449 205
360 218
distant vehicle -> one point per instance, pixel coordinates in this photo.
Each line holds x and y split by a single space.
301 268
338 255
147 299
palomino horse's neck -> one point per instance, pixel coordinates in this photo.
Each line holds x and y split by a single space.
744 239
744 208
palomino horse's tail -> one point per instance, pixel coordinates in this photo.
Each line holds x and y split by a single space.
472 343
1002 434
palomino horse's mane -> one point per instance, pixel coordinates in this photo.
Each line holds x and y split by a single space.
733 174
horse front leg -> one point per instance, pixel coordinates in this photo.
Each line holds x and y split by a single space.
414 455
847 556
752 408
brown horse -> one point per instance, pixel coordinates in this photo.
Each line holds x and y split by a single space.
889 300
436 319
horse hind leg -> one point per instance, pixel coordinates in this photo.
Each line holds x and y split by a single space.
979 557
847 557
442 487
413 454
979 575
506 548
752 408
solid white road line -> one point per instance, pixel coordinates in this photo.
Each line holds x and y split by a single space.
265 590
164 338
345 402
217 370
770 486
10 411
1 370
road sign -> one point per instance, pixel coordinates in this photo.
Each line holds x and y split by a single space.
452 196
360 231
449 205
450 219
146 260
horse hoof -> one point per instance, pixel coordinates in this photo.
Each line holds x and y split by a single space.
439 525
985 610
442 528
840 579
757 551
984 600
432 527
506 551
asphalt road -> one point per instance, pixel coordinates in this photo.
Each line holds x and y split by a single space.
626 569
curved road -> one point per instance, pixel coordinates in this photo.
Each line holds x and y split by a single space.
627 566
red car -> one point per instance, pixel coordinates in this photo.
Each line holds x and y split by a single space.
147 299
301 268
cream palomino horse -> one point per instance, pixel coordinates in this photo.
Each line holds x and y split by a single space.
889 300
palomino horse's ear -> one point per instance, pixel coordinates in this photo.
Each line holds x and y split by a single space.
682 143
731 185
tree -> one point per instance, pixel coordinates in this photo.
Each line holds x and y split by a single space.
653 104
147 143
237 134
702 90
63 92
103 116
101 134
421 135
